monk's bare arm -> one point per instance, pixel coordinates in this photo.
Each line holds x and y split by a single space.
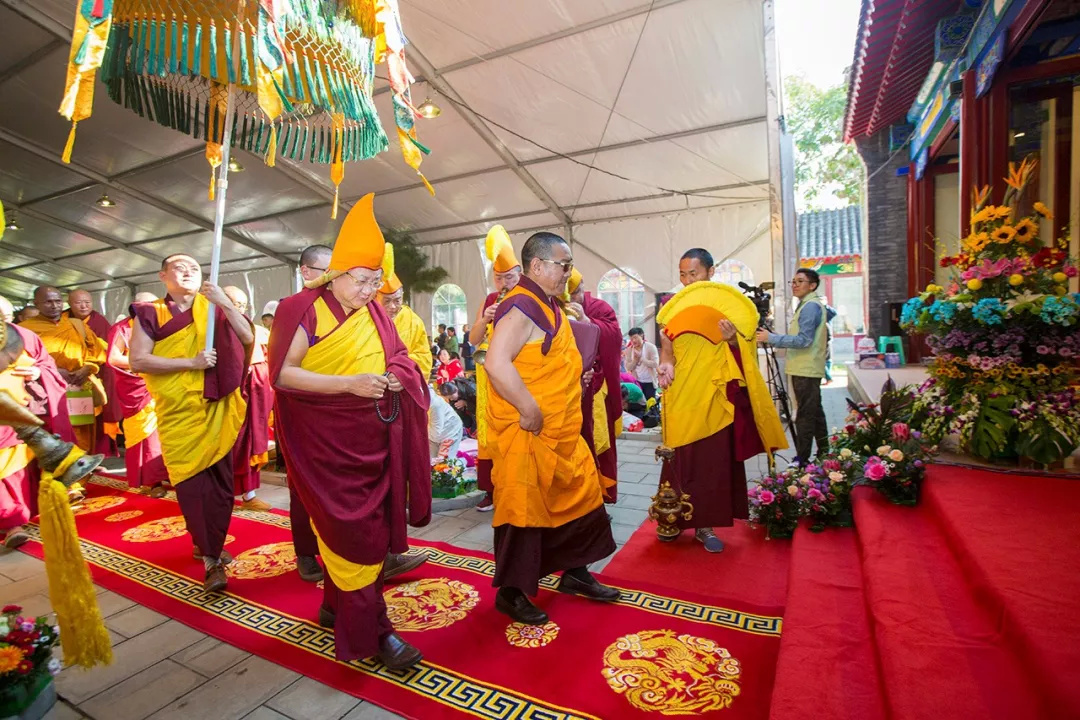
666 371
143 360
295 377
117 357
479 328
240 324
515 329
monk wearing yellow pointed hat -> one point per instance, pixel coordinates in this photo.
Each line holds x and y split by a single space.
409 325
506 269
351 414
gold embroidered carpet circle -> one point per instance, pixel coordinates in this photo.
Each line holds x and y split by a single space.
264 561
97 504
659 671
429 604
165 528
531 636
122 516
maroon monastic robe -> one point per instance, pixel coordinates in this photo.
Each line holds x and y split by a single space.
608 359
206 498
18 491
143 460
355 473
253 442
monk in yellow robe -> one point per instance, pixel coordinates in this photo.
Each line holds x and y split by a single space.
351 413
718 413
196 394
549 507
409 325
506 272
107 421
79 355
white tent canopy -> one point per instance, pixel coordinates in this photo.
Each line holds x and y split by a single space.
637 129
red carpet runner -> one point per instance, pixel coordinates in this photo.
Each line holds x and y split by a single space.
654 653
751 569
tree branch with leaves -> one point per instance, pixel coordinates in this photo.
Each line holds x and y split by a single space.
411 265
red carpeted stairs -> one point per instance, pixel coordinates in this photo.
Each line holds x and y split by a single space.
963 607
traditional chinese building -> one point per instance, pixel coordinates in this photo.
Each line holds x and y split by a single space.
943 95
831 242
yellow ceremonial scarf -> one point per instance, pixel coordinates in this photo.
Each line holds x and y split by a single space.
350 347
549 479
696 405
15 458
413 333
353 348
195 433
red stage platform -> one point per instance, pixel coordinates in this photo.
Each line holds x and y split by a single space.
963 607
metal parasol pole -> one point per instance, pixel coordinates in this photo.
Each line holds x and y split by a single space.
223 178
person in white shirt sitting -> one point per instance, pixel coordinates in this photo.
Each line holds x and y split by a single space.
444 428
642 358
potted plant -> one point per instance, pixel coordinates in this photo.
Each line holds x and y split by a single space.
897 469
27 665
776 502
448 479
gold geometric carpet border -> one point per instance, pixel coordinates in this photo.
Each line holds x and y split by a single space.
428 680
767 625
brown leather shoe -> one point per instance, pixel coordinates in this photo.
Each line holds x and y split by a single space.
256 505
396 564
592 589
516 604
327 617
158 492
225 557
309 568
16 537
216 580
396 654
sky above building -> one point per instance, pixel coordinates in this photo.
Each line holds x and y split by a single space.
816 38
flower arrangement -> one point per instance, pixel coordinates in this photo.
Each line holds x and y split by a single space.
776 502
897 468
448 479
26 659
869 426
828 490
1005 334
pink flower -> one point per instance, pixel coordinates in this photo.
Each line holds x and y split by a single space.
814 494
1070 271
875 470
901 432
832 465
766 497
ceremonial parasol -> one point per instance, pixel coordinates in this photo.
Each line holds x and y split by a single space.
289 78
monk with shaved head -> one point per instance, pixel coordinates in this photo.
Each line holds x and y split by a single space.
79 355
107 422
142 446
197 395
253 443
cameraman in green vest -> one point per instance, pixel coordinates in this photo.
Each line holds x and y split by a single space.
807 347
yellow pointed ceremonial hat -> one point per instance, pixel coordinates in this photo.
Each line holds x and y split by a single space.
360 242
500 250
574 282
391 285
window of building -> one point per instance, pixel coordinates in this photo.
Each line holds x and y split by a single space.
626 294
449 307
733 272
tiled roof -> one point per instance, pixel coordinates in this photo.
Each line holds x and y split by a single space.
830 233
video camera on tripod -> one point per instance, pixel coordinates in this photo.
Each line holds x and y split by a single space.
762 300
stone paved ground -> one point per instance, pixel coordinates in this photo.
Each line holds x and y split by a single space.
166 670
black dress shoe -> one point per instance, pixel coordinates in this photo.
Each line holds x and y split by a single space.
397 564
326 617
396 654
309 568
591 589
516 604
